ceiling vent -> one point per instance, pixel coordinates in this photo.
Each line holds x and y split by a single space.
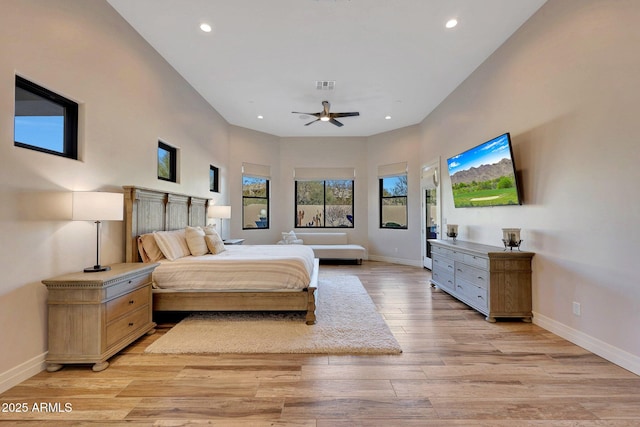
325 84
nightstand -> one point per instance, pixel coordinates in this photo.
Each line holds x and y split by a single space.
233 241
92 316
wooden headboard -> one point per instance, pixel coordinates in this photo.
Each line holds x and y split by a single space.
149 210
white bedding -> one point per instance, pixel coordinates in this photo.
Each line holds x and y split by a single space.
239 268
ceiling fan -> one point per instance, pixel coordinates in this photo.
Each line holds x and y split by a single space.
326 116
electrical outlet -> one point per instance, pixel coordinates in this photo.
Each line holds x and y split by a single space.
576 308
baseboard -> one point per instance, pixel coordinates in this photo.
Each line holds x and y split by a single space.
613 354
414 263
22 372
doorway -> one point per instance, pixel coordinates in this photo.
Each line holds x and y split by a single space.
430 191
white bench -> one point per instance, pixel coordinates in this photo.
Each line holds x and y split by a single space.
333 246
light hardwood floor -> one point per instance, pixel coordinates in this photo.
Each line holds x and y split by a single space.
456 370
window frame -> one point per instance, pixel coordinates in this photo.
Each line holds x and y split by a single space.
324 206
382 198
267 197
70 121
214 184
173 161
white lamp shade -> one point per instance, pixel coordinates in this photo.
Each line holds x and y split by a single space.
97 206
219 212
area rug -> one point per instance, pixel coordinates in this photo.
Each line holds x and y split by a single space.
347 323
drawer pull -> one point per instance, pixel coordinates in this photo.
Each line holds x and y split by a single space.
480 297
450 266
480 277
130 281
130 323
131 301
459 269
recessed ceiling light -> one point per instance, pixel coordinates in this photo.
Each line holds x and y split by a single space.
387 117
205 27
451 23
260 116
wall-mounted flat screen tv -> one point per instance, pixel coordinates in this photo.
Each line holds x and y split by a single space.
485 175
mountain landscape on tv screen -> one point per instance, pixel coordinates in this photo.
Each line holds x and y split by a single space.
484 172
485 185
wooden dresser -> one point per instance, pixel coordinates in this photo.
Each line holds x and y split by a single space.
92 316
493 281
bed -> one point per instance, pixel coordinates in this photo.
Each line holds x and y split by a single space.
253 269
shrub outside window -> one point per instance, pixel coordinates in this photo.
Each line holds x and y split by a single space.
255 202
45 121
393 202
324 204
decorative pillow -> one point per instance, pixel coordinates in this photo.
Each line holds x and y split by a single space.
195 241
289 237
210 229
214 243
151 250
173 244
143 255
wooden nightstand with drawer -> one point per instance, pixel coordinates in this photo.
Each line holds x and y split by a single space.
92 316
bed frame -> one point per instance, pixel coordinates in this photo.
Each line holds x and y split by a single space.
149 210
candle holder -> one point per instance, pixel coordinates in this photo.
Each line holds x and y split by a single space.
511 238
452 231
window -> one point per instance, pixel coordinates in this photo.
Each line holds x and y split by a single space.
324 203
167 162
213 178
255 202
393 201
45 121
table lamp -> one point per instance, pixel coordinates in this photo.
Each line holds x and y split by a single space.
97 206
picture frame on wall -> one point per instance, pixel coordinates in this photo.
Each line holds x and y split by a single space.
214 179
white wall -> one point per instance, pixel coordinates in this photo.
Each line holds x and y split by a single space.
248 146
566 86
400 246
130 97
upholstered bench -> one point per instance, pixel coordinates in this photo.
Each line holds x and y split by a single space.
332 246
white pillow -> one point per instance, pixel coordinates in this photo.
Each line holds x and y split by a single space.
210 229
173 244
214 243
289 237
195 241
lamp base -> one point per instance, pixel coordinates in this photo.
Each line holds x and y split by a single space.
97 268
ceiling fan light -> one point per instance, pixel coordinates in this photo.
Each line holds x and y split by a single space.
451 23
325 118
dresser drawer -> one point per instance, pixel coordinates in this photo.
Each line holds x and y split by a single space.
127 303
127 285
443 279
438 250
125 325
475 295
476 261
443 264
477 276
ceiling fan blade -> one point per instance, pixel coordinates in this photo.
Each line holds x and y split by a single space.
307 124
352 114
335 122
306 114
